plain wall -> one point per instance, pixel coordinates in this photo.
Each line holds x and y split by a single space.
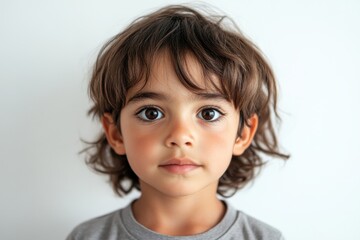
47 49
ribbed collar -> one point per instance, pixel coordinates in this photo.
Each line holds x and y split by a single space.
138 231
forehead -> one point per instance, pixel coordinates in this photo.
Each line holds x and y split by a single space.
186 72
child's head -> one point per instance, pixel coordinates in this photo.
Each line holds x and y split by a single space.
211 63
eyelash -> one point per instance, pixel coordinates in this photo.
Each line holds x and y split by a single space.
210 107
217 109
144 108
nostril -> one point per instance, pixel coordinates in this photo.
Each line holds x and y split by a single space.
174 143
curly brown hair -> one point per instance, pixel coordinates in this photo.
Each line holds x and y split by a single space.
246 79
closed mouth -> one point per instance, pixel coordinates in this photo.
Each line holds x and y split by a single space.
179 162
179 166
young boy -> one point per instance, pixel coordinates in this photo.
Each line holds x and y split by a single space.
186 105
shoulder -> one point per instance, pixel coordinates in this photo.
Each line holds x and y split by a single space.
257 229
103 227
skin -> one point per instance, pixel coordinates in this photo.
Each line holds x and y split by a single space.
164 121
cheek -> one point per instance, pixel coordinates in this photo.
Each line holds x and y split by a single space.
139 145
218 144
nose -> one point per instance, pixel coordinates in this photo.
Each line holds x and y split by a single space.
180 134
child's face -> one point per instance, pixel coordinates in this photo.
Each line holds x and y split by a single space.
178 142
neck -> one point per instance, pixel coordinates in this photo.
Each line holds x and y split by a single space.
180 215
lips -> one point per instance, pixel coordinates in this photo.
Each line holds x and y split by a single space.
179 165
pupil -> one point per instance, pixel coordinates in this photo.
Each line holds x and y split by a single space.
208 114
151 113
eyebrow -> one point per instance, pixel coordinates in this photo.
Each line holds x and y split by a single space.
158 96
206 96
146 95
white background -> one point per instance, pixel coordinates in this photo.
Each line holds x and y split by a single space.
46 52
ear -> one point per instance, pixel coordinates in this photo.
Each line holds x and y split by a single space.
247 135
112 134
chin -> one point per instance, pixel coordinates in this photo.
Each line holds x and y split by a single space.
184 191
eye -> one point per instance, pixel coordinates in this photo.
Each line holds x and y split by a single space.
210 114
150 114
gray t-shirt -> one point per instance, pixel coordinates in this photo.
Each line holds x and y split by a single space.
121 224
